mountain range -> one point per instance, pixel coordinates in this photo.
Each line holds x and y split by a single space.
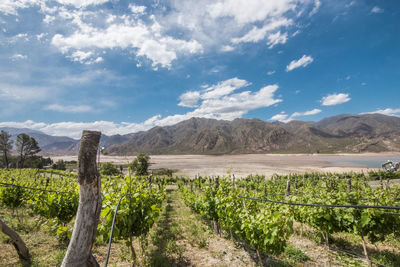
338 134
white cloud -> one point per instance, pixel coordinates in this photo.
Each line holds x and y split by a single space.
246 11
49 19
257 34
85 57
276 38
166 31
227 48
279 117
270 72
40 36
23 93
137 9
335 99
74 129
387 111
80 56
317 5
16 57
302 62
224 88
189 99
148 41
82 3
283 117
376 10
10 7
69 108
217 101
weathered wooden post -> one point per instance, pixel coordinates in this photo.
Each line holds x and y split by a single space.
348 185
287 193
87 217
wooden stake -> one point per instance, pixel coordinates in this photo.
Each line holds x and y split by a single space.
87 218
348 185
288 188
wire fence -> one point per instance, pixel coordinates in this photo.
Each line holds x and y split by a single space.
323 205
31 188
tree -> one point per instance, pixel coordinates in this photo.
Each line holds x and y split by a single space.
5 145
107 168
59 165
26 146
140 164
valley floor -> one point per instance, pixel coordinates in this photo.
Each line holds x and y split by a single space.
264 164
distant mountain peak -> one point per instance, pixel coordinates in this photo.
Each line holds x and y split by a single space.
341 133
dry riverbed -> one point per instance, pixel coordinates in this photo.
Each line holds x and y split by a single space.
265 164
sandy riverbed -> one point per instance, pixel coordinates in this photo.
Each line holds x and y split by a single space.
266 164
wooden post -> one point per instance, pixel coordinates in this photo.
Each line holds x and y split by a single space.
18 243
265 189
287 188
87 218
348 185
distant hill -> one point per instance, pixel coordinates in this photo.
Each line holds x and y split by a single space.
48 143
61 145
343 133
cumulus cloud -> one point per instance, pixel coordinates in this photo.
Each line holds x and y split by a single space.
283 117
218 101
224 88
276 38
256 34
74 129
245 11
166 31
148 40
387 111
302 62
376 10
335 99
69 108
189 99
270 72
227 48
85 57
10 7
137 9
82 3
16 57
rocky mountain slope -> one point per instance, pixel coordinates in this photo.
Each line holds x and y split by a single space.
342 133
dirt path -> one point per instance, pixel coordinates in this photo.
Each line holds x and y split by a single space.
181 238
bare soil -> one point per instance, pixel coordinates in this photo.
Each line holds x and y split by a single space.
263 164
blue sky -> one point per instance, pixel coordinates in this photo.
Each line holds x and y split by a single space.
127 66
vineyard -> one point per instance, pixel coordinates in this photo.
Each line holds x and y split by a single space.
257 212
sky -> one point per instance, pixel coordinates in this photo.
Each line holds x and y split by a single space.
127 66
